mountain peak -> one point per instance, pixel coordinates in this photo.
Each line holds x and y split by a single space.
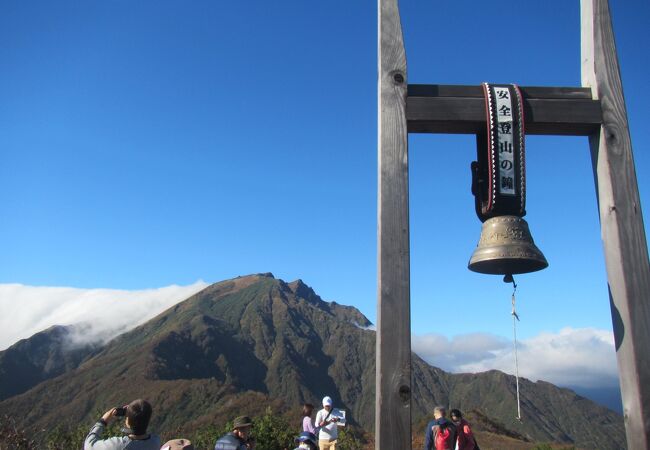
263 275
300 289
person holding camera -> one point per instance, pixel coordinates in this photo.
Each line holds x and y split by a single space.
137 414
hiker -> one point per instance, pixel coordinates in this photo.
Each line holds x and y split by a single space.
137 414
328 433
177 444
307 424
306 440
239 438
440 432
466 440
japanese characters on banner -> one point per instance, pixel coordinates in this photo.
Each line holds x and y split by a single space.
498 181
504 139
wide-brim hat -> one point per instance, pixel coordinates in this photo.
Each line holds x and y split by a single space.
306 436
242 421
178 444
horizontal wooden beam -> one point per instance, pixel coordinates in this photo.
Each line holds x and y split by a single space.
461 110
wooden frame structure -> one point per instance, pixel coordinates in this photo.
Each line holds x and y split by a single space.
596 110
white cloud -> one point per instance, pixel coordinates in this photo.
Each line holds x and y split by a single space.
571 357
26 310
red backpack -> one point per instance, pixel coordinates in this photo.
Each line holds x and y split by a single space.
444 438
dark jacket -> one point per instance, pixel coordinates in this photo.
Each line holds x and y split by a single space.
230 441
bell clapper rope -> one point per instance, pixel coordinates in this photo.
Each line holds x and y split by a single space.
510 279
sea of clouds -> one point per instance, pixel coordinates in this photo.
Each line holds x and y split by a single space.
104 313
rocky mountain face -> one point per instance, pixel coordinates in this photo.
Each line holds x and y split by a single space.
243 344
45 355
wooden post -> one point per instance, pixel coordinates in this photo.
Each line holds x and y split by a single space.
393 376
622 231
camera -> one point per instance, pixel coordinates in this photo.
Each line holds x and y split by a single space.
120 411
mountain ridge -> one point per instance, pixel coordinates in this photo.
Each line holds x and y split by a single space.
257 337
44 355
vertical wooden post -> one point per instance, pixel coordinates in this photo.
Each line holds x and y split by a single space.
393 376
622 231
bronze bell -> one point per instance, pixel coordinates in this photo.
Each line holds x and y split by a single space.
506 247
499 188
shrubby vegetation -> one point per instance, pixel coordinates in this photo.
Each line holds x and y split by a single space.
348 440
60 438
13 438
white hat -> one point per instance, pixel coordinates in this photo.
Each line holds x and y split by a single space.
178 444
327 401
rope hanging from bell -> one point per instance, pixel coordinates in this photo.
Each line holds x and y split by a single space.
515 319
499 187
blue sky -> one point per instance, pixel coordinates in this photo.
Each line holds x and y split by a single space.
148 144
